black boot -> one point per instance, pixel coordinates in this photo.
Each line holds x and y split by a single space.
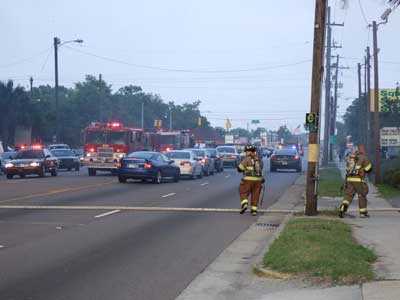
342 210
243 207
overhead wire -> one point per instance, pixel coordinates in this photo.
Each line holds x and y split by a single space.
110 59
26 59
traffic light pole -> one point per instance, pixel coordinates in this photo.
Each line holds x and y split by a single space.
317 75
56 43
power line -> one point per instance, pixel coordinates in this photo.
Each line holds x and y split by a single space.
187 70
23 60
363 12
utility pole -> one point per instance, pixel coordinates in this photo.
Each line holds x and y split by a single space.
56 42
31 86
170 119
361 115
368 95
376 129
100 98
327 88
142 115
334 108
316 88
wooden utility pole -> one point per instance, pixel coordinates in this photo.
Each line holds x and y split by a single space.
327 88
31 86
377 135
317 75
368 95
334 108
361 116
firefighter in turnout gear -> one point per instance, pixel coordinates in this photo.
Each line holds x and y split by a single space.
357 166
251 185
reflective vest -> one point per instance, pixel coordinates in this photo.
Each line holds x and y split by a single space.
251 168
356 168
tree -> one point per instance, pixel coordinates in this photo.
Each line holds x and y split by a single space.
284 133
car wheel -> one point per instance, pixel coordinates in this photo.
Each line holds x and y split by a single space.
69 169
200 174
53 172
10 176
121 179
158 178
22 176
177 176
41 172
207 173
77 168
272 169
91 172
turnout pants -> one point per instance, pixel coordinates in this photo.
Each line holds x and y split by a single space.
360 188
250 188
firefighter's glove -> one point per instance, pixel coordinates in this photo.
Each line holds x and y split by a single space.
239 170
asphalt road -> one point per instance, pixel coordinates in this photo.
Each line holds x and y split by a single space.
106 254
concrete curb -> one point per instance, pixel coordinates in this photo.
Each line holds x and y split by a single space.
259 266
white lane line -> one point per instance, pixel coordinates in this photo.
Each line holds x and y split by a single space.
204 184
168 195
1 246
107 213
227 176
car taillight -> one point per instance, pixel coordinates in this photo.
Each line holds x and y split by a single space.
203 161
147 166
91 150
297 157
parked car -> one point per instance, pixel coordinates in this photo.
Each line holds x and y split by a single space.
66 159
5 157
218 163
32 160
146 165
188 163
286 158
229 155
206 162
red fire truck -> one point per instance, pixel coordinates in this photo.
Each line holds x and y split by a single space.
163 141
106 143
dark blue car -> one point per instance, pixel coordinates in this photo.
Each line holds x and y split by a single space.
146 165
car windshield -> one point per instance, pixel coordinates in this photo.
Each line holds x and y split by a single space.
29 154
7 155
141 155
178 155
62 152
212 152
95 137
226 149
200 153
117 138
286 152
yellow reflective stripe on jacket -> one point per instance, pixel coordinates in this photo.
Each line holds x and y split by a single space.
241 167
252 178
354 179
368 167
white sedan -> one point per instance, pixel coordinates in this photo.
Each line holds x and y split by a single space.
188 163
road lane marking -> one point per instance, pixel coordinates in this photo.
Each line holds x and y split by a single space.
59 191
108 213
227 176
204 184
1 246
168 195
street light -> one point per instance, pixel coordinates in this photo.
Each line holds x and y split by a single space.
57 43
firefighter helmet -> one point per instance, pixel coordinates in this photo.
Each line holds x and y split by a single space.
250 148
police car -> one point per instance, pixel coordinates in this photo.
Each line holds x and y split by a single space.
32 160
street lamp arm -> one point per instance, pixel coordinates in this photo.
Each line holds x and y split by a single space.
79 41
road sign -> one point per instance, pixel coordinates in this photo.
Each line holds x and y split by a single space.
312 120
255 121
390 136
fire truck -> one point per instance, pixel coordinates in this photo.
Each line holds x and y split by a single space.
164 141
106 143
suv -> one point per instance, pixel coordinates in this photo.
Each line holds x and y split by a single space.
229 155
218 163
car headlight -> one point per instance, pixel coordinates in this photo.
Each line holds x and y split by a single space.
9 165
34 164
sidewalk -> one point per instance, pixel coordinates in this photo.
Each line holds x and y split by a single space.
231 275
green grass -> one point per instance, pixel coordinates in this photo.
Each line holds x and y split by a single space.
330 182
321 250
388 191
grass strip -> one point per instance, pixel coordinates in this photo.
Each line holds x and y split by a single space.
322 250
387 191
330 182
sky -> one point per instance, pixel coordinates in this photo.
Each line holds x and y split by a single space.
244 60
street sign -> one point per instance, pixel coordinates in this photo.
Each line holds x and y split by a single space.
390 136
332 139
312 120
255 121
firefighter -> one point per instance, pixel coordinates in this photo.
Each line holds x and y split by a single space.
251 166
357 166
